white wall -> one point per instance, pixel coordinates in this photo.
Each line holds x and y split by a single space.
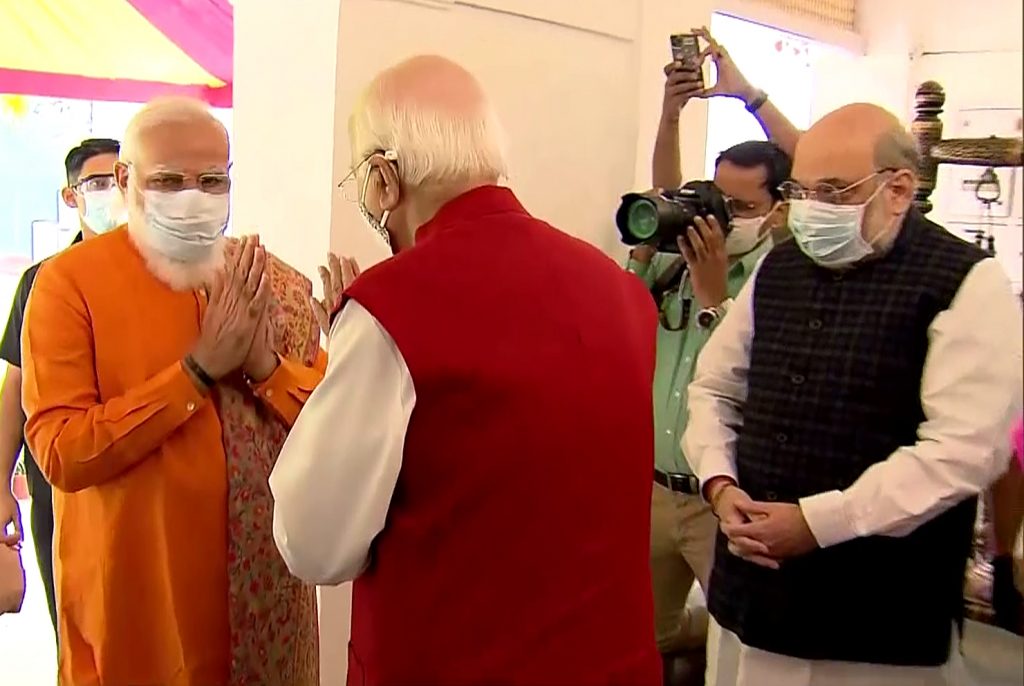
284 114
974 50
565 96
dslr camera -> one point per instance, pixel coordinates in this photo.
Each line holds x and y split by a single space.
659 217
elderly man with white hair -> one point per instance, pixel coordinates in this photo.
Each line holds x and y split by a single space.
164 365
470 456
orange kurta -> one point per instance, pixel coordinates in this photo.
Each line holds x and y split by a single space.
134 453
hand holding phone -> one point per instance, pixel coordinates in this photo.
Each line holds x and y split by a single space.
686 53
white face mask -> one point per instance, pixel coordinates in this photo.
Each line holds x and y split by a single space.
744 234
184 225
830 234
103 210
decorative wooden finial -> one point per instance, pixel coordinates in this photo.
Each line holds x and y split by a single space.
927 130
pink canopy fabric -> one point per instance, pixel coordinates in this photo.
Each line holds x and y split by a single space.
128 50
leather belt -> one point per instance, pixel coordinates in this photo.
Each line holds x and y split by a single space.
678 483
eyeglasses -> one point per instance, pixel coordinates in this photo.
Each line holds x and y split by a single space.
741 208
827 192
214 183
94 183
350 189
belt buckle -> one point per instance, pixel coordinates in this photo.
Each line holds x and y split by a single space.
683 483
677 482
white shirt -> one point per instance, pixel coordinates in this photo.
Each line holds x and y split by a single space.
970 393
333 482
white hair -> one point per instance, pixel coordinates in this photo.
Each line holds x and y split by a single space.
896 148
436 145
173 109
180 276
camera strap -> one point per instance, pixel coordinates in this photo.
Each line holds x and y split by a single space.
669 280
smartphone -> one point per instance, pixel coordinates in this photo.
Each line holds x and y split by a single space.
686 50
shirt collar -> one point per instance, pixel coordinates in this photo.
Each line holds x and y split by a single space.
480 201
744 264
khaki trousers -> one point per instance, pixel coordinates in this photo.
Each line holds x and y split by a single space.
683 532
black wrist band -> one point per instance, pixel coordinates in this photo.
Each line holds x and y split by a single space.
759 99
199 372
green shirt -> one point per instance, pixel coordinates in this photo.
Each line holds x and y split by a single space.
678 350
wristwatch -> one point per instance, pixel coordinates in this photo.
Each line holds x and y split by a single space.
758 99
709 316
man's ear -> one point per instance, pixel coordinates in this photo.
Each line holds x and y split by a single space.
901 187
778 220
778 217
121 175
390 192
67 194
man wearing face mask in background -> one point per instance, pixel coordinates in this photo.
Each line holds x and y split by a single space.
693 290
848 411
91 189
478 455
164 366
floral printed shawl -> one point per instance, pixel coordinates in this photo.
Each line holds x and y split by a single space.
273 615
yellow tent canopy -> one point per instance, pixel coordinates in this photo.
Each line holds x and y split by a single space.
128 50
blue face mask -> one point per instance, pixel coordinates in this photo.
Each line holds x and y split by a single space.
830 234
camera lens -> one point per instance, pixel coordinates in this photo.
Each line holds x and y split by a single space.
642 220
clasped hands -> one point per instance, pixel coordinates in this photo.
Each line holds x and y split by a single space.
236 331
759 532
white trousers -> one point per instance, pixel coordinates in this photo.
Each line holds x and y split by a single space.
730 663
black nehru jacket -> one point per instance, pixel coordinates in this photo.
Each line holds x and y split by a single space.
835 387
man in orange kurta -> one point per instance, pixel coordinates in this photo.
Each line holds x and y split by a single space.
156 405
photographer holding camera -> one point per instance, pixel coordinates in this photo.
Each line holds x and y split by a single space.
694 265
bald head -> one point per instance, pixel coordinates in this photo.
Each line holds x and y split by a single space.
864 149
435 116
850 144
177 134
432 83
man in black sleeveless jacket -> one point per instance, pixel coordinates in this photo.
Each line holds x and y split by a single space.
843 418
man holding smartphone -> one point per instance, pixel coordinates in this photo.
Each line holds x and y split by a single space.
694 290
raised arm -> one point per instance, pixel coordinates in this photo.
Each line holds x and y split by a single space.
288 388
78 440
732 83
682 82
334 479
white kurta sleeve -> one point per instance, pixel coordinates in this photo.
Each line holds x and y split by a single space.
333 482
719 389
970 393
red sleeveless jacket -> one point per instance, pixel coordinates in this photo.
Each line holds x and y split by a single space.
517 542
